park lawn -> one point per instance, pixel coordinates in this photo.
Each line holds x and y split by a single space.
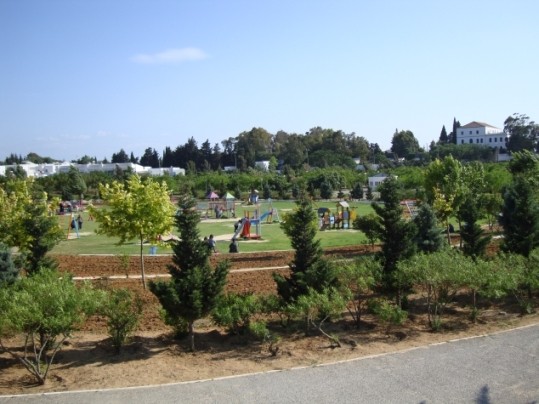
272 236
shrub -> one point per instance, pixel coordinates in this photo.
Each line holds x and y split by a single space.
234 311
123 311
389 313
46 308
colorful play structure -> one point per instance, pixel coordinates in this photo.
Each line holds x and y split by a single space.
252 219
217 207
342 218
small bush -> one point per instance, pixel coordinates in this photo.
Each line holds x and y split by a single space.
234 311
123 311
389 313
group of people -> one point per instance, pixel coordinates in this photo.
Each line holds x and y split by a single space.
210 242
76 223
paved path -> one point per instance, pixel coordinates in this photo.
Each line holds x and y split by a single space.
500 368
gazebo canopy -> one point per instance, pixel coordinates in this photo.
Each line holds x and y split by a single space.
212 195
229 196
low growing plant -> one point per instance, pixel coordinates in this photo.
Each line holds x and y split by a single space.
45 309
387 312
123 312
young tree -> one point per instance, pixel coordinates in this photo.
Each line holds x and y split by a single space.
428 238
8 271
520 211
357 191
309 269
369 225
443 188
76 183
26 223
195 287
137 210
43 234
440 276
46 308
396 235
357 281
123 311
473 237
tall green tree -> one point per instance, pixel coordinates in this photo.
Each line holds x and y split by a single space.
473 239
395 233
444 188
520 211
428 237
135 210
443 136
523 133
195 287
26 222
308 268
404 143
76 183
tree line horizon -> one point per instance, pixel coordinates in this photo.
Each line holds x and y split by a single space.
319 147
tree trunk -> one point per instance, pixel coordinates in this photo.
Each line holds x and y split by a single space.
192 336
142 262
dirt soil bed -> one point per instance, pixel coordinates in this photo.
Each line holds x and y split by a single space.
87 361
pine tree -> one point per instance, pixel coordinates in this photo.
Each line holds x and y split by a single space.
357 191
443 136
195 287
308 268
473 237
428 238
395 233
8 271
520 211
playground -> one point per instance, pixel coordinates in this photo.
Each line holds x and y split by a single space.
260 230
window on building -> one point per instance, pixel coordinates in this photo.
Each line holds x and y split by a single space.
490 140
496 140
471 140
471 132
501 139
481 140
461 141
476 140
477 131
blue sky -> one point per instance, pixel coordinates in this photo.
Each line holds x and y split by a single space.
92 77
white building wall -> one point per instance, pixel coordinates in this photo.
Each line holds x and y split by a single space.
481 135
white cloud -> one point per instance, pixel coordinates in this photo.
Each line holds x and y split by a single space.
171 56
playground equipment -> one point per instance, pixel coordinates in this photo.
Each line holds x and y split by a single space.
342 218
217 208
411 208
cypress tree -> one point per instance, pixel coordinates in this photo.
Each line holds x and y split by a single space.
428 238
395 233
8 271
195 287
308 268
473 237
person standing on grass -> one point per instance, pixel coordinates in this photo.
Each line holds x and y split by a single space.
233 247
211 244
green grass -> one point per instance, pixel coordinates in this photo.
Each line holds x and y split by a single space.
273 237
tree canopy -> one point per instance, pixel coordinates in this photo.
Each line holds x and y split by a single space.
137 210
